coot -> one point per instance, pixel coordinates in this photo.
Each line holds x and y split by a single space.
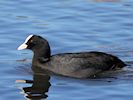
77 65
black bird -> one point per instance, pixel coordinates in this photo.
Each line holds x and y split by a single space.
77 65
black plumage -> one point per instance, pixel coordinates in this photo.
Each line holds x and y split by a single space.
78 65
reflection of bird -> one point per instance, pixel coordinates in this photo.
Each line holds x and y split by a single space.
40 85
78 65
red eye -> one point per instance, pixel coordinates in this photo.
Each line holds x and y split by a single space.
31 41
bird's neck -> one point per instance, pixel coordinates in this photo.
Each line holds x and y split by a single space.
41 55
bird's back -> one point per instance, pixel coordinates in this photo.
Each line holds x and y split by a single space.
83 64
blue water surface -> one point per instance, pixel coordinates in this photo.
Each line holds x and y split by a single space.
69 26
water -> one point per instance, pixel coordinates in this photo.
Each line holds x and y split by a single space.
69 26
